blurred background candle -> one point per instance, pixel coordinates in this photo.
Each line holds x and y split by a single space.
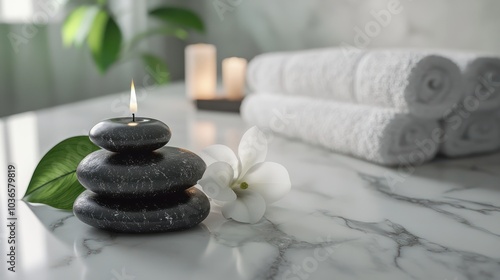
201 71
233 75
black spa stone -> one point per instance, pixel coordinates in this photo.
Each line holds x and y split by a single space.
165 170
167 213
124 135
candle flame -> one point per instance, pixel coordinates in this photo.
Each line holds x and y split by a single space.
133 99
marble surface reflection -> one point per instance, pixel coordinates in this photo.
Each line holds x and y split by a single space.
344 218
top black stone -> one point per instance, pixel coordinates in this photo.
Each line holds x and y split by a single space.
124 135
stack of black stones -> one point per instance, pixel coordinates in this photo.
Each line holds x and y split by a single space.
137 184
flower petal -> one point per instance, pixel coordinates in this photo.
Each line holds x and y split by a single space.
252 149
248 208
216 181
219 152
271 180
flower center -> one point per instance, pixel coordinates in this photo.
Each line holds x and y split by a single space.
244 185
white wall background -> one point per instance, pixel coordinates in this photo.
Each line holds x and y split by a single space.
250 27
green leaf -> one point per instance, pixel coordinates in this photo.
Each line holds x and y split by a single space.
77 25
156 68
104 40
179 16
102 2
54 181
166 30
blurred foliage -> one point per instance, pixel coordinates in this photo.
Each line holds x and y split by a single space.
94 26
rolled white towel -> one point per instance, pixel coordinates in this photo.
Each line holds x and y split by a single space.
409 81
470 133
375 134
481 74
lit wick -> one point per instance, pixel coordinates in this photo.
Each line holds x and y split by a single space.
133 101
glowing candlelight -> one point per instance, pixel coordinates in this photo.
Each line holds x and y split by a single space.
133 101
233 74
201 71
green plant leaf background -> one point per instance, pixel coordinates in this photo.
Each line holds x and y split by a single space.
180 17
93 23
104 40
54 181
164 30
72 24
156 68
77 25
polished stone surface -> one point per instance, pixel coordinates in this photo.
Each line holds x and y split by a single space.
166 170
136 186
128 135
343 219
179 211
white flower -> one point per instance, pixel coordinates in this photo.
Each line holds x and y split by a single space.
245 185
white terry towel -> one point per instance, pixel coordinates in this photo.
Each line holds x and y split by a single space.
481 75
375 134
411 81
470 133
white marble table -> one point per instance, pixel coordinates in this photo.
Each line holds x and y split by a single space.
343 219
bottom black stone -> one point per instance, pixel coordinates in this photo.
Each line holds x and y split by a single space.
178 211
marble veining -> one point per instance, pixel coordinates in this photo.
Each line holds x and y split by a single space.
60 222
438 206
269 233
404 240
343 218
